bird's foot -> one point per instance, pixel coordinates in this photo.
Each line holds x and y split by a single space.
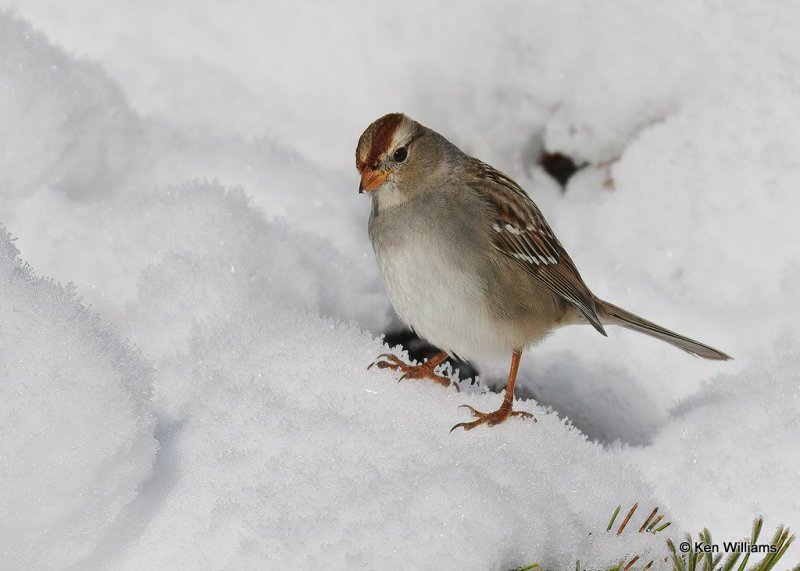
491 418
417 372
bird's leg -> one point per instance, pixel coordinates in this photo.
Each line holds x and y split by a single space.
506 409
418 372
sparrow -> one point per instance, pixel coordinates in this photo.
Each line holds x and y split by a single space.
469 261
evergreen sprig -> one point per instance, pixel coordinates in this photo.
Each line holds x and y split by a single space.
694 560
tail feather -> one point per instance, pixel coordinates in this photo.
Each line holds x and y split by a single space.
610 314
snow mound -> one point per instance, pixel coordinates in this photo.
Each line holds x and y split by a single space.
204 230
731 444
205 253
76 420
63 122
80 158
291 452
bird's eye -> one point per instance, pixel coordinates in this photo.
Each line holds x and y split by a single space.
400 155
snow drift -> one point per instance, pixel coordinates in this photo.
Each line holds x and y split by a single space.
76 420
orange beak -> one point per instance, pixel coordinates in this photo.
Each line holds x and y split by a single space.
372 179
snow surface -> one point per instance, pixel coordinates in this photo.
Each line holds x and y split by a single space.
77 421
190 169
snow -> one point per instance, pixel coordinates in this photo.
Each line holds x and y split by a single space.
343 469
76 418
190 169
722 448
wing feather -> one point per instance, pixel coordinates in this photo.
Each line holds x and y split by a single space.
522 234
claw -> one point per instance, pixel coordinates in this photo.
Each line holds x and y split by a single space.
467 425
490 418
394 362
506 409
464 425
423 371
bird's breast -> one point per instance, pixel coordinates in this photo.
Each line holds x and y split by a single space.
437 285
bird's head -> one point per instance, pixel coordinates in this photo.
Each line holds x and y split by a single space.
399 159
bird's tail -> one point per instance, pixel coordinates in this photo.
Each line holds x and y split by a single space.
610 314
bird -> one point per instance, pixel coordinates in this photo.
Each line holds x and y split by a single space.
469 262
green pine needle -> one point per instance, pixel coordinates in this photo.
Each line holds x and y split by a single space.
693 561
613 517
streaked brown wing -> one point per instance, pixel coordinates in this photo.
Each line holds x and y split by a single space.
522 233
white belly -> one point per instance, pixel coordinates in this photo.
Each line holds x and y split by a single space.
440 299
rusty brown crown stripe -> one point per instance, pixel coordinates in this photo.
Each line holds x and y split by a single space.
382 134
